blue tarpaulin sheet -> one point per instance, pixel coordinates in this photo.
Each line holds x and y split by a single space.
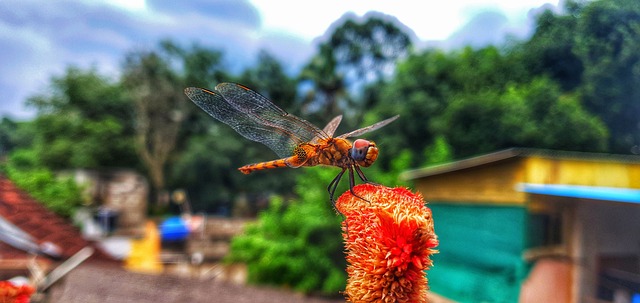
174 229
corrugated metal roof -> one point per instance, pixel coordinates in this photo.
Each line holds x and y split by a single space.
512 153
583 192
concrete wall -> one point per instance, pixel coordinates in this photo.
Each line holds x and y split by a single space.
603 231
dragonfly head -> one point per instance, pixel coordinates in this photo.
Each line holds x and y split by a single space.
364 152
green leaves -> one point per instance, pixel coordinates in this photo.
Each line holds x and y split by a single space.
532 114
368 49
592 51
85 122
296 243
60 194
607 40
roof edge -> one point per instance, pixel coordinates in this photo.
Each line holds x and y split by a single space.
512 153
461 164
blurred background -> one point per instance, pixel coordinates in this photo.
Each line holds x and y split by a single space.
514 95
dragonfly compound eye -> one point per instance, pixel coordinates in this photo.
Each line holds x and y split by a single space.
359 149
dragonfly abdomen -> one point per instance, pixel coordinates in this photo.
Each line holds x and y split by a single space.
249 168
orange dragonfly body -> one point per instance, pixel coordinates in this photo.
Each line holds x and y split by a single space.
296 141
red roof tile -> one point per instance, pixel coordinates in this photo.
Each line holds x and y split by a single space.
17 207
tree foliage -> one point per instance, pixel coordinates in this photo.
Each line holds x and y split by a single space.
530 114
82 111
8 136
550 51
60 194
368 49
357 52
159 110
592 50
607 40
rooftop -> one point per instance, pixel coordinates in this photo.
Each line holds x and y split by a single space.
42 226
513 153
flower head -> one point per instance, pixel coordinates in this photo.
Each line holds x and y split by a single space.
12 293
389 238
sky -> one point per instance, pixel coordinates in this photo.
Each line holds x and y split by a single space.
40 39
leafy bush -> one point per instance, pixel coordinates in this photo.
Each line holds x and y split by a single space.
296 243
61 195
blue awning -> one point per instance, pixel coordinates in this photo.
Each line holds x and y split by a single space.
616 194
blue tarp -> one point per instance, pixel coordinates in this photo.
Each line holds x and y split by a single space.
174 229
616 194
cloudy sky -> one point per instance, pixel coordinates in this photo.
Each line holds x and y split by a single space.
39 39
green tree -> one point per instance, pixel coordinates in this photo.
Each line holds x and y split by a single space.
357 52
199 66
426 85
159 109
84 122
420 91
368 49
482 122
535 114
195 66
439 152
269 78
8 129
607 41
328 96
550 51
478 101
591 49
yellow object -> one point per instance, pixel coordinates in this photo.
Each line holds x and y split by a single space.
145 252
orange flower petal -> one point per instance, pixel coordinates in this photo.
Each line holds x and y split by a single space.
389 238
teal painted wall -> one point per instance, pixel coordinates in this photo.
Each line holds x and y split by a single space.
481 247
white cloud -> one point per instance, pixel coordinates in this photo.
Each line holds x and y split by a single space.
434 20
131 5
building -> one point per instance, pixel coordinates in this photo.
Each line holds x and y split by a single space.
33 239
121 191
535 225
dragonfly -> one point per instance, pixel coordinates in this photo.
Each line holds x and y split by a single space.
296 141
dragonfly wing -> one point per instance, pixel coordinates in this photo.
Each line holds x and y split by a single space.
364 130
215 105
329 129
264 112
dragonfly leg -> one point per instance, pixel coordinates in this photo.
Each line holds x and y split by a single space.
362 176
352 181
332 188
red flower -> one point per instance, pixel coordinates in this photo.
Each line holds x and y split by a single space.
11 293
389 238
